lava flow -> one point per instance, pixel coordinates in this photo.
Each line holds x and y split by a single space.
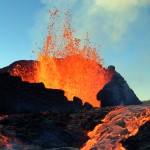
64 64
117 125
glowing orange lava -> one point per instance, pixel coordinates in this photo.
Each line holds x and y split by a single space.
117 125
64 63
78 71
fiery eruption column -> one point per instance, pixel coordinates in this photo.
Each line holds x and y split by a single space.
64 63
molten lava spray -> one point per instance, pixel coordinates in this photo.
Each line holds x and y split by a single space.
78 71
65 64
117 125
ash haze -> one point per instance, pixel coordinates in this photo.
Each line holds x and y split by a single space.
119 27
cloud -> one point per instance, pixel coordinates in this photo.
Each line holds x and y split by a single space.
119 5
106 21
118 15
108 18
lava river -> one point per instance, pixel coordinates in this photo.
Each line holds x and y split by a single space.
119 124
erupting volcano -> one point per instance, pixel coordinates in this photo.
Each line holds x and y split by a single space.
39 115
64 63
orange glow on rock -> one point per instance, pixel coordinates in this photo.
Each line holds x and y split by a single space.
4 140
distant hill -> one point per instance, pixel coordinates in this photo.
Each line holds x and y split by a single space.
146 102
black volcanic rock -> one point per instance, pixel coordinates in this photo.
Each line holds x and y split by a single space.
117 92
40 131
63 130
17 96
77 100
87 105
141 141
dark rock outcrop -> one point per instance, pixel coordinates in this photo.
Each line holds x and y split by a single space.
87 105
17 96
40 131
117 92
77 100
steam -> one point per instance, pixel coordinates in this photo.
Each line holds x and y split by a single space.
111 19
119 14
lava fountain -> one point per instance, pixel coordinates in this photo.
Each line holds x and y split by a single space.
64 63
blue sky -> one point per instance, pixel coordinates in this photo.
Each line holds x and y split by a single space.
121 28
16 20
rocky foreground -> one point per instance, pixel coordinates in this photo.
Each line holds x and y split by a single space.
49 130
68 130
35 118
